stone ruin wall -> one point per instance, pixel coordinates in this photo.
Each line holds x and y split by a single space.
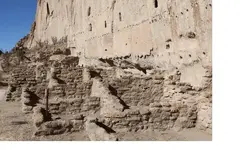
153 72
177 32
157 101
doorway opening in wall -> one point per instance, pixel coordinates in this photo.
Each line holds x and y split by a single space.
120 16
156 3
48 9
105 24
89 11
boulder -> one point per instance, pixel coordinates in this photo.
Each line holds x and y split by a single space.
98 131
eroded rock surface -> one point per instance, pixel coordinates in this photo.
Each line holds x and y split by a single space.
98 131
159 79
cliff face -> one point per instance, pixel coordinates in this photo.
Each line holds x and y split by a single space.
169 29
126 66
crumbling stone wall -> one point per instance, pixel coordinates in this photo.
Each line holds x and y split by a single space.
136 91
128 79
158 100
71 94
21 76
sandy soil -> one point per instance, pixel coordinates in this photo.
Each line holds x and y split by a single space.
17 126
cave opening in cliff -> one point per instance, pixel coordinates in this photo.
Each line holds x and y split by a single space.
120 16
156 3
90 27
105 24
48 9
89 11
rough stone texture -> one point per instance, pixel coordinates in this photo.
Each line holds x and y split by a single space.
53 128
97 132
135 67
109 103
38 116
160 100
176 32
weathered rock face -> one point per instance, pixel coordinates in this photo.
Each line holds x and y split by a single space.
134 64
174 32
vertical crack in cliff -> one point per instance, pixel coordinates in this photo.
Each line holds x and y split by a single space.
197 19
173 22
112 9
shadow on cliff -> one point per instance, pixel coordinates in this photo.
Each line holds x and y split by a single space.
115 93
108 129
34 99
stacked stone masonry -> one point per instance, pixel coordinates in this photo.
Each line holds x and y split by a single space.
158 101
134 65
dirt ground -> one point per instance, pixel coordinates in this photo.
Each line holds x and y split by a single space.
17 126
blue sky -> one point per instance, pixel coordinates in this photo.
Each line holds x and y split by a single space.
16 18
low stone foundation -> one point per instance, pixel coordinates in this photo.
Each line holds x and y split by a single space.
119 99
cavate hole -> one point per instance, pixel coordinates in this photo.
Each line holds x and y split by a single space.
105 24
168 46
48 9
89 11
204 53
120 16
106 50
156 3
169 40
187 10
181 57
90 27
190 55
191 35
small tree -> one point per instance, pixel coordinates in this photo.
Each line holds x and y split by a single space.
54 40
1 51
39 43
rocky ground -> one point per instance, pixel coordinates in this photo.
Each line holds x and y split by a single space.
17 126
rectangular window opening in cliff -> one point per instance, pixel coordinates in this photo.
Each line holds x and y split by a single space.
105 24
48 9
120 16
89 11
156 3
